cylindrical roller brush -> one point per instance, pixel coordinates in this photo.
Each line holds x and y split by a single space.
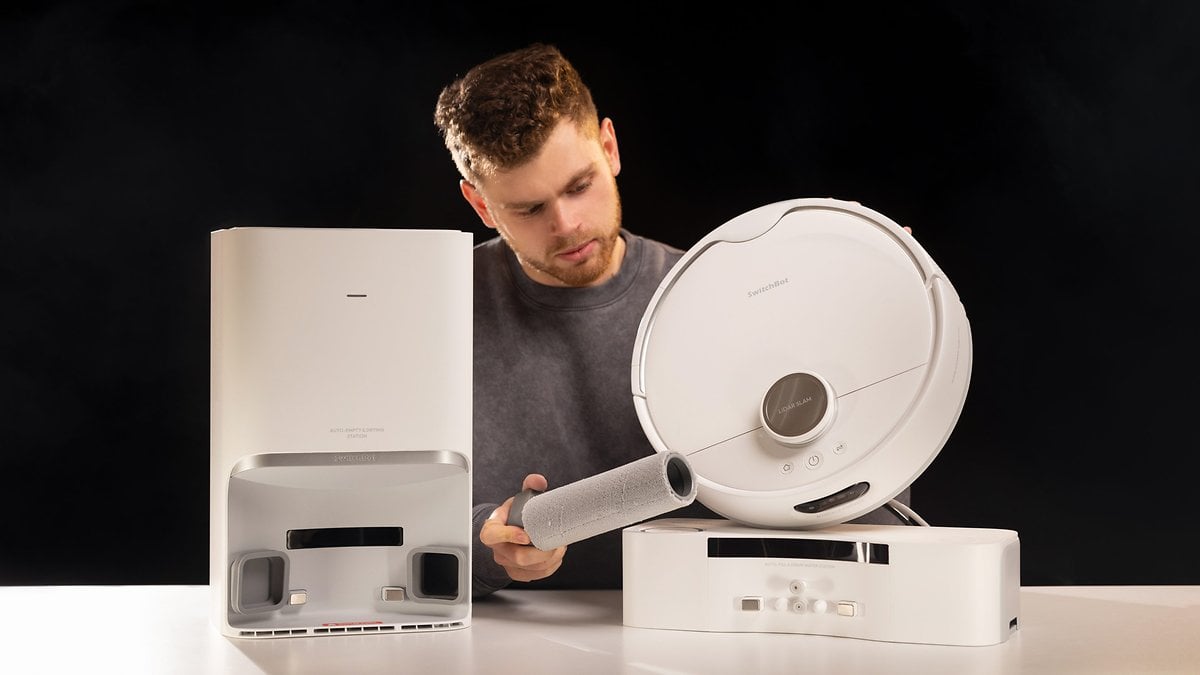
616 498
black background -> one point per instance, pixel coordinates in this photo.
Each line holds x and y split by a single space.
1045 156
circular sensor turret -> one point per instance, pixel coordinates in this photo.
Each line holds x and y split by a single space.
798 408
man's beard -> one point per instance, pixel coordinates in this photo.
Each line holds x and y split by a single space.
590 272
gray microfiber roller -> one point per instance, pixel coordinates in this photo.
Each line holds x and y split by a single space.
617 498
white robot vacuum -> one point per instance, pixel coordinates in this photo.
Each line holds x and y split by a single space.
808 358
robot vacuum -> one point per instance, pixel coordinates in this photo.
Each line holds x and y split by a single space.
808 358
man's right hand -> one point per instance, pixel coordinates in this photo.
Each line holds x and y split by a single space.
511 546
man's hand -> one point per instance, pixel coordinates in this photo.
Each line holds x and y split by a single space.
510 544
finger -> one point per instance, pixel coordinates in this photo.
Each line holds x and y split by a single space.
495 533
535 481
527 559
501 513
517 574
523 556
499 517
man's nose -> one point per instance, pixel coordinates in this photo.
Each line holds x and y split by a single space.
564 217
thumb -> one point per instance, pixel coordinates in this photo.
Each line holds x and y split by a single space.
535 481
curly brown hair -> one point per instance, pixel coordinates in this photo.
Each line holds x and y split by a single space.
499 114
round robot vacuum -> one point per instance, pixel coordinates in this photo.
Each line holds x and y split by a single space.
808 358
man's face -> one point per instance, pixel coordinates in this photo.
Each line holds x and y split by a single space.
560 212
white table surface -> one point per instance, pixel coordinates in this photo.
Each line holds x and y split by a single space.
165 629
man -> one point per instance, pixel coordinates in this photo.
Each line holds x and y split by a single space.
559 295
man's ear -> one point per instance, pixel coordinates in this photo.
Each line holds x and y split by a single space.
475 199
608 143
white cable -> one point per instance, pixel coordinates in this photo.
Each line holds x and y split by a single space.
905 513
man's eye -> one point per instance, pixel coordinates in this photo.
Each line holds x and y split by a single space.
580 188
532 211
